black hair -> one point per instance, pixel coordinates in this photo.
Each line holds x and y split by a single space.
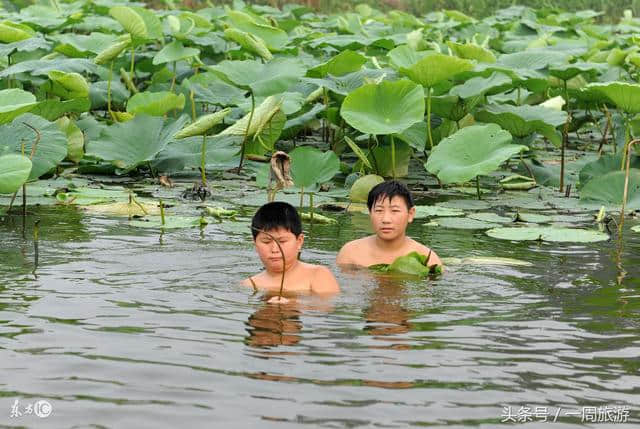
389 189
274 215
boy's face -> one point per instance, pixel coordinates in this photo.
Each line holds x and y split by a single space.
390 217
268 250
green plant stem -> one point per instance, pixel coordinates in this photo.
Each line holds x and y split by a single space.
311 206
626 185
246 133
113 117
202 159
36 253
173 79
133 60
627 141
565 136
393 157
301 196
281 254
429 118
478 186
162 221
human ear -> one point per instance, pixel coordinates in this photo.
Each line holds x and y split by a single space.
300 241
412 213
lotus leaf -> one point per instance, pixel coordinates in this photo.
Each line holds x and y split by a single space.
113 50
28 45
603 165
436 211
471 151
14 172
532 59
518 182
548 234
635 228
464 223
220 152
359 153
609 188
626 96
318 218
273 77
404 56
472 51
80 45
568 71
203 124
361 187
345 62
465 204
262 115
414 264
415 136
127 145
174 51
310 166
249 42
521 121
477 86
171 222
155 103
275 38
532 218
69 85
384 108
42 67
11 32
486 260
75 139
490 217
137 21
86 196
267 135
14 102
51 149
383 156
436 68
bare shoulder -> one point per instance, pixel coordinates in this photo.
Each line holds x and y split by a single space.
421 248
345 255
324 282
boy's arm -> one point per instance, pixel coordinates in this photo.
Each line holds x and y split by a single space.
324 282
343 257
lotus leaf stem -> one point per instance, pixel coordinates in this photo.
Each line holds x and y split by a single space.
606 130
246 133
24 186
202 159
311 206
565 137
301 196
281 254
162 221
626 184
36 253
113 118
393 157
133 60
429 118
478 186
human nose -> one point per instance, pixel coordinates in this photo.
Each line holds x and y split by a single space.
386 216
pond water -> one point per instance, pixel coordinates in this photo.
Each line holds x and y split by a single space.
122 327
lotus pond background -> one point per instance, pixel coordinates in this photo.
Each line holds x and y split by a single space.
140 140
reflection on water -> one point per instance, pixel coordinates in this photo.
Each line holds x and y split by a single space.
122 330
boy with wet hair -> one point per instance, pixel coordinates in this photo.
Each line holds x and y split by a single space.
279 223
391 209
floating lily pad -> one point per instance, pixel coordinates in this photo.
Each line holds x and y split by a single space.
532 217
490 217
84 196
486 260
464 223
318 218
436 211
635 228
465 204
124 209
171 222
548 234
361 187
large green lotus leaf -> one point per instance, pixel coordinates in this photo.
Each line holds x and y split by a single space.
174 51
382 159
464 223
14 172
532 59
436 211
465 204
249 42
43 67
28 45
216 92
11 32
220 151
472 51
51 149
568 71
203 124
415 136
626 96
80 45
358 151
114 49
52 109
522 121
452 107
262 115
384 108
345 62
404 56
413 264
490 217
275 38
548 234
266 79
609 189
343 85
361 187
267 136
310 166
69 85
471 151
131 143
171 222
155 103
14 102
478 85
137 21
436 68
603 165
75 138
86 196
